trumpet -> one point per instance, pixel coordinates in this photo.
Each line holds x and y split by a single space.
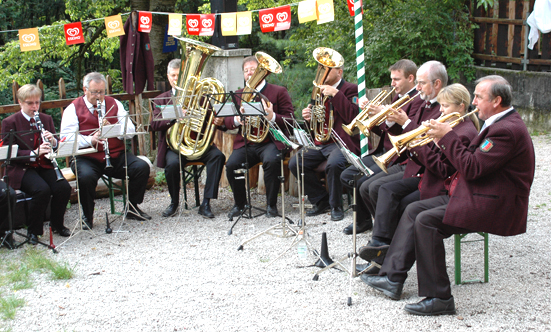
50 156
101 117
365 126
351 129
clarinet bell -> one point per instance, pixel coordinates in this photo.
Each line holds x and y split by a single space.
108 163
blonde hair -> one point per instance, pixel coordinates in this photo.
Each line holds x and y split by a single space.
457 94
28 91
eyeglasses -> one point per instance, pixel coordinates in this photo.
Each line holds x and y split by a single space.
422 83
96 92
31 103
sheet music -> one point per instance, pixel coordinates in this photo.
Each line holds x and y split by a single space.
252 109
224 110
4 151
64 149
111 131
301 137
170 112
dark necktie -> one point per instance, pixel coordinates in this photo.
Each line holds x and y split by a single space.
36 133
428 104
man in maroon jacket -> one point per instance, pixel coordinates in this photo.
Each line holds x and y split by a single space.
166 158
343 101
267 151
489 193
35 176
82 118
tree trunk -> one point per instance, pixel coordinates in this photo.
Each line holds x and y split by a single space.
157 36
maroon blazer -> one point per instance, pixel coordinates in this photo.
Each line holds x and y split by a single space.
137 63
16 170
283 107
437 166
423 114
345 109
496 173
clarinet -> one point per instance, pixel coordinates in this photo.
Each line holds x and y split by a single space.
40 127
106 142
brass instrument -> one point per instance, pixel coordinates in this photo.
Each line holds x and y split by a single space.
327 59
105 143
365 126
187 135
352 129
40 127
257 128
414 138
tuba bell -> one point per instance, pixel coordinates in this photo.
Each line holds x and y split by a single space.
327 59
193 135
257 128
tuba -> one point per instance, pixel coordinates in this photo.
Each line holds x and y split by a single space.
257 128
327 59
193 135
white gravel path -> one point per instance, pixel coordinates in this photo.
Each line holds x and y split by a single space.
186 274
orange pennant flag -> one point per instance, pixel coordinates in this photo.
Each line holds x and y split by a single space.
244 23
307 11
229 24
28 40
174 25
114 26
326 11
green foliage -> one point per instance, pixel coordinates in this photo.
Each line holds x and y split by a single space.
486 3
160 179
9 305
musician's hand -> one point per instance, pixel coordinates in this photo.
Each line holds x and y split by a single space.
95 138
437 129
375 109
307 113
398 116
269 109
218 121
43 149
328 90
49 136
363 101
237 119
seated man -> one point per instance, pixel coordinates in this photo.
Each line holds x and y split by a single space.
278 108
83 116
168 159
36 176
343 102
489 193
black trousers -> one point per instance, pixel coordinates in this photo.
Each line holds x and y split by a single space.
214 160
420 236
336 164
4 205
40 184
270 157
363 216
370 188
90 170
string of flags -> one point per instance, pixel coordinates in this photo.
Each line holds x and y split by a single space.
232 24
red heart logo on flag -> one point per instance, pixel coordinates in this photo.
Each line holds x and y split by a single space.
73 32
193 23
281 17
268 18
144 20
207 23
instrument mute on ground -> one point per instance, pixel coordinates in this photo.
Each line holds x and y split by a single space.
327 59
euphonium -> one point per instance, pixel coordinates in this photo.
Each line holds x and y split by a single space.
193 135
351 129
257 128
378 119
327 59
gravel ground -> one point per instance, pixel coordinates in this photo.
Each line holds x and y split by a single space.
176 274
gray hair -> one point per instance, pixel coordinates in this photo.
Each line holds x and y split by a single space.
173 64
94 76
500 88
436 71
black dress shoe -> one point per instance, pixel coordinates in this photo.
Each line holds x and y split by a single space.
370 269
205 211
63 231
373 249
382 283
235 211
135 213
271 212
319 208
432 306
337 213
170 210
33 239
87 224
359 228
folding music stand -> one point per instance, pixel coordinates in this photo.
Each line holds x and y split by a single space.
247 109
7 154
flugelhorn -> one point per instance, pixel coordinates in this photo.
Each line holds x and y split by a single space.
256 128
192 136
365 126
327 59
351 129
40 127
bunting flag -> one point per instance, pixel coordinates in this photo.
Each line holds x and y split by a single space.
266 20
73 33
351 7
228 23
28 40
175 24
207 24
283 18
114 26
192 24
326 11
145 19
244 23
307 11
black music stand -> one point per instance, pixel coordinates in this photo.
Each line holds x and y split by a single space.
7 161
226 109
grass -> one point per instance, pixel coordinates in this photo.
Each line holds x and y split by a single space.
18 272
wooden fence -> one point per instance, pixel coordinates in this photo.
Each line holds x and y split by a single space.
502 37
